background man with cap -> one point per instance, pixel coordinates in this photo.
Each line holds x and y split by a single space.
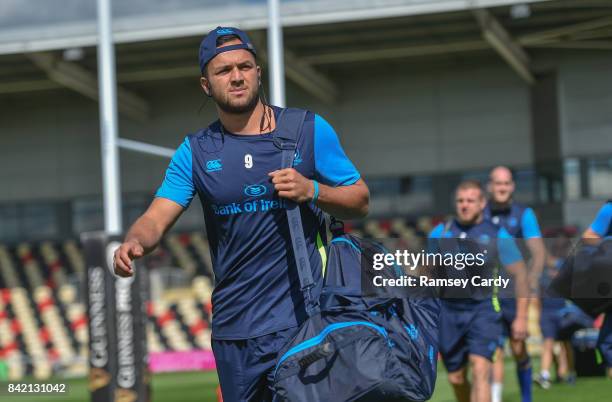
521 222
234 167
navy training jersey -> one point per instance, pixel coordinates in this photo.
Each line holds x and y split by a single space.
519 220
257 288
495 242
602 225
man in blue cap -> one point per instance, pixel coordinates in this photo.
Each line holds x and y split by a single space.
234 167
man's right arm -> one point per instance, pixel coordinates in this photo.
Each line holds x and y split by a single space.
145 233
600 225
171 199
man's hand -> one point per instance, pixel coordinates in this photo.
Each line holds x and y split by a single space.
519 328
289 183
124 255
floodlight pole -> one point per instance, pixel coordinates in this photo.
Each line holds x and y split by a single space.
107 85
275 51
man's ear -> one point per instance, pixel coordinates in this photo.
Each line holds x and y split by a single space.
205 84
483 202
259 75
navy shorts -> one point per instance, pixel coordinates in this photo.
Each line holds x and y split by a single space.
604 342
508 314
550 318
549 324
468 328
245 366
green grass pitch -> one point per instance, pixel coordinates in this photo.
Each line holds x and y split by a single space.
201 387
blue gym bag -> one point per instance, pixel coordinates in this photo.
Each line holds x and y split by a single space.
355 345
586 278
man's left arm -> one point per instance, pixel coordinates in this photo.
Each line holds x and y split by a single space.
339 189
512 260
535 244
343 202
519 325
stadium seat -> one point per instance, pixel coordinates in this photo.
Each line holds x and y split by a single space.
184 259
202 248
7 269
78 322
153 341
74 256
202 289
43 296
30 266
169 326
373 228
51 257
198 326
34 347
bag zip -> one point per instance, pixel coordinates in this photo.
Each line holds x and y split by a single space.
326 331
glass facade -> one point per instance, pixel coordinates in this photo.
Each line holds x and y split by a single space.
572 178
36 220
600 177
416 195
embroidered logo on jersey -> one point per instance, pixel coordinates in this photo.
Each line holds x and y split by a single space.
484 239
214 165
255 190
413 331
495 220
297 159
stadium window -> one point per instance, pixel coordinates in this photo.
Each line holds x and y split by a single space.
380 186
571 178
600 177
543 194
482 176
191 219
416 185
9 222
416 195
87 215
134 205
525 180
39 221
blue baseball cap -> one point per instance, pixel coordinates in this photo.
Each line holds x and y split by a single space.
209 49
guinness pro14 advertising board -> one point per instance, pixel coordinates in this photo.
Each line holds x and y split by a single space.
118 362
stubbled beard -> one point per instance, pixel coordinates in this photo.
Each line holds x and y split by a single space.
247 107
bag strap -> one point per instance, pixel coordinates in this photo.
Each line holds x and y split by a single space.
288 128
447 226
